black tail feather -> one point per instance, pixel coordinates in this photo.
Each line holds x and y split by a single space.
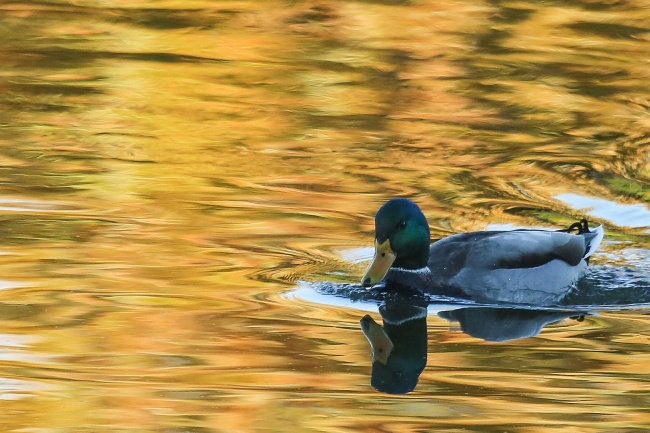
582 227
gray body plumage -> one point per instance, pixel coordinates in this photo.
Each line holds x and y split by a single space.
534 267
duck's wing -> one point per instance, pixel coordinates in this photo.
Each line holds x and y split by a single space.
518 249
529 249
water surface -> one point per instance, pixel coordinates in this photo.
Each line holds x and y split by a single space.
180 180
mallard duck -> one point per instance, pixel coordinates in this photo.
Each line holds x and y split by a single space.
534 267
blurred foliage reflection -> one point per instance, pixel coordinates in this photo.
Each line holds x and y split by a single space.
168 169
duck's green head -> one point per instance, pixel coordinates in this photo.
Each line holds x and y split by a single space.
401 240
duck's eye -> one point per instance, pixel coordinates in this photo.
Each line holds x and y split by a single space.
401 225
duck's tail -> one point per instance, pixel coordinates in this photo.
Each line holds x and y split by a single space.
593 238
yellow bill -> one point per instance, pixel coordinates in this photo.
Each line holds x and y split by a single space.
379 341
381 263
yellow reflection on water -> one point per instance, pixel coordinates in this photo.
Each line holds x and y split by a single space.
169 169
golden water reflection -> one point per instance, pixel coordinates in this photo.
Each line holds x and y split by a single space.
170 169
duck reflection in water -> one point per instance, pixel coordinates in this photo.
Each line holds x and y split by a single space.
505 324
399 347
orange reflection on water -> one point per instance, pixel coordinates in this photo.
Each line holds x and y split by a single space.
170 169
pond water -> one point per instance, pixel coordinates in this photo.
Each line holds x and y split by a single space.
187 199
